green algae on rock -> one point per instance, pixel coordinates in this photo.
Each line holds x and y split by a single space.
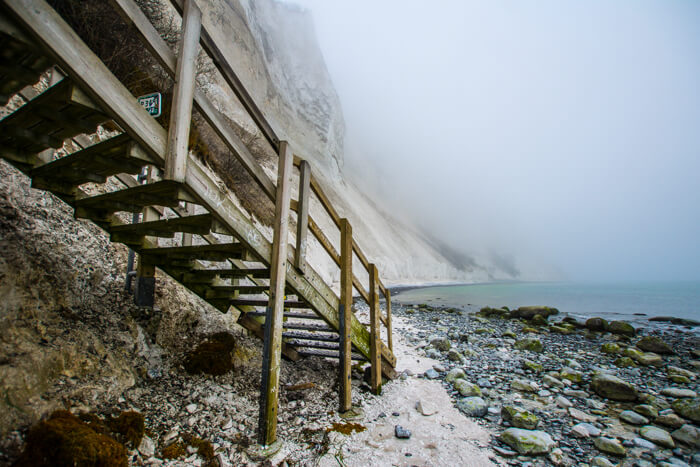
528 441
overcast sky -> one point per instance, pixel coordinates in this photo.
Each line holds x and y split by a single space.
563 133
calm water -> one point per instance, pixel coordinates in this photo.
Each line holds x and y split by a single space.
611 301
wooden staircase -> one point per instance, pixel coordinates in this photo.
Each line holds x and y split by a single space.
189 227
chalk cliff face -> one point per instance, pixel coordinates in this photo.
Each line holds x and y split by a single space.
272 47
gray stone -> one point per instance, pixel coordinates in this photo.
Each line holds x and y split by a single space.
687 434
612 387
678 393
581 416
530 343
688 408
441 343
401 432
601 462
670 419
552 382
432 374
654 344
523 385
584 430
529 442
648 411
644 444
473 406
633 418
147 447
426 409
610 446
563 402
657 435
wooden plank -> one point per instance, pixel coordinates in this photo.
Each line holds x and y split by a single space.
312 336
204 252
256 328
183 94
198 224
208 274
375 343
390 340
345 312
302 216
186 234
288 314
325 202
329 354
267 425
250 302
83 66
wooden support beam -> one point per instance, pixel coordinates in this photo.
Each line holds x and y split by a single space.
183 94
267 425
375 342
302 216
345 310
187 236
145 288
390 340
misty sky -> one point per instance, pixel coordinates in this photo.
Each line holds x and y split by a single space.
563 133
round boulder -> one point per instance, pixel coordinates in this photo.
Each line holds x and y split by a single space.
530 442
654 344
596 324
622 328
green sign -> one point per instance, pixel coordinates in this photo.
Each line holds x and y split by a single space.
152 103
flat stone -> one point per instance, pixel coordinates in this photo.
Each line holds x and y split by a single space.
523 385
687 434
563 402
584 430
581 416
530 343
426 409
552 382
528 442
571 374
671 420
678 393
657 435
612 387
633 418
147 448
432 374
654 344
674 370
191 408
648 411
454 374
644 444
599 461
610 446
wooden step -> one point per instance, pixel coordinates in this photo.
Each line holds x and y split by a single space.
328 354
288 314
326 337
163 193
165 228
230 291
299 343
21 64
244 302
60 112
205 276
94 163
207 252
307 326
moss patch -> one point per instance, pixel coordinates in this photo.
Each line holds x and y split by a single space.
213 356
173 451
346 428
65 440
129 427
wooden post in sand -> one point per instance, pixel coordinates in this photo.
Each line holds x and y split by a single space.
272 346
375 337
345 315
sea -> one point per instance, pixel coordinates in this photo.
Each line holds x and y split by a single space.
635 302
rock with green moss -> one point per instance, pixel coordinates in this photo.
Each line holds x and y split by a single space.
649 411
572 375
488 312
560 330
612 387
523 385
610 446
679 379
519 418
624 362
622 328
441 343
528 442
473 406
654 344
596 324
610 348
649 359
410 311
657 436
509 335
455 356
674 370
532 366
466 389
530 330
530 343
538 320
688 408
529 312
455 374
483 331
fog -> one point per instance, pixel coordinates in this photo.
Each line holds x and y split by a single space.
564 134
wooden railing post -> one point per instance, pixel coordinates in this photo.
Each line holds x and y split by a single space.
375 336
388 320
272 346
145 288
345 315
183 94
302 215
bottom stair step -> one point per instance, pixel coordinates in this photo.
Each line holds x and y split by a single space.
288 314
328 354
326 337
